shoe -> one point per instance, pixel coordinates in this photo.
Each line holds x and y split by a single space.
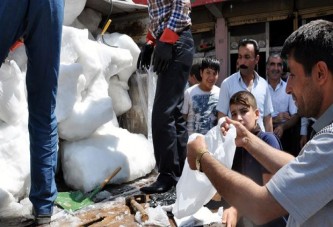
159 186
41 219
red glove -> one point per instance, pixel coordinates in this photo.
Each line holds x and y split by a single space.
16 45
150 38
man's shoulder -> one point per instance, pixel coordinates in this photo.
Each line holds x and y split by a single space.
327 129
230 81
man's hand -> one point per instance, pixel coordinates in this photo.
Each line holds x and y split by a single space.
193 150
279 131
243 134
230 217
162 56
145 56
281 117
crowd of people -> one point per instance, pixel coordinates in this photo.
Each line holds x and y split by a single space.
276 169
279 163
291 190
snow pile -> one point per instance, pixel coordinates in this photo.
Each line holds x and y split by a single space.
92 92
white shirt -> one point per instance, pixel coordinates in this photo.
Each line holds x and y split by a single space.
282 102
260 91
200 108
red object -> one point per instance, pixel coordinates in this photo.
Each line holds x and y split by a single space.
150 39
16 45
169 36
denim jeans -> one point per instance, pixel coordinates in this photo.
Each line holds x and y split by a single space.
39 22
168 125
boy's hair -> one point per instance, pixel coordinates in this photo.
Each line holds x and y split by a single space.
211 63
243 98
195 70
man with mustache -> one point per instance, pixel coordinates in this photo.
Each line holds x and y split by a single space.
247 79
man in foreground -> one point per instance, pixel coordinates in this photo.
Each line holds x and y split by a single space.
301 186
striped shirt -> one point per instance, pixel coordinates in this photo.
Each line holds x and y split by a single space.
172 14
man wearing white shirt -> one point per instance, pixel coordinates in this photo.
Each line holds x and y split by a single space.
247 79
285 117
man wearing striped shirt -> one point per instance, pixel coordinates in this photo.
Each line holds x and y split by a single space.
170 38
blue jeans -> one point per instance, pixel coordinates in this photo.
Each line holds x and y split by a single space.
39 22
168 125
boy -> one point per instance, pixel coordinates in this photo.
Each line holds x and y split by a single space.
200 100
243 108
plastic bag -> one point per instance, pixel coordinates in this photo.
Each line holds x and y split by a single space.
194 188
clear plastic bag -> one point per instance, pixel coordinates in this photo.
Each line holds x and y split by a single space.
193 188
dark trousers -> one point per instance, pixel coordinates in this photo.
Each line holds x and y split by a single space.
168 125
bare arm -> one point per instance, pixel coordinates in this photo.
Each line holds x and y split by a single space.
268 123
268 156
286 125
250 199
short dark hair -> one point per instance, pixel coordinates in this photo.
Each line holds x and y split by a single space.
211 63
245 41
311 43
245 98
195 70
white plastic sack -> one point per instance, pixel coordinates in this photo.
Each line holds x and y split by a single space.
194 188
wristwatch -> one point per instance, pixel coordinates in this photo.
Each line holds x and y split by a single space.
201 152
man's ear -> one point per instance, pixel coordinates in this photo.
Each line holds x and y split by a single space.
321 72
257 58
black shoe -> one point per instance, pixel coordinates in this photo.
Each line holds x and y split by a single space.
159 186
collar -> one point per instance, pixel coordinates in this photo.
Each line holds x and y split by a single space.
256 130
280 84
324 119
240 79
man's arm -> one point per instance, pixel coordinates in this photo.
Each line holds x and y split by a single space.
268 123
250 199
269 157
286 125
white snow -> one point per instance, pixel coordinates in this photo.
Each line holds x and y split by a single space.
92 92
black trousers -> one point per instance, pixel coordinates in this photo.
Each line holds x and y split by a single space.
168 125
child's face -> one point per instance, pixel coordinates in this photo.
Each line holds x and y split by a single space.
208 79
245 115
